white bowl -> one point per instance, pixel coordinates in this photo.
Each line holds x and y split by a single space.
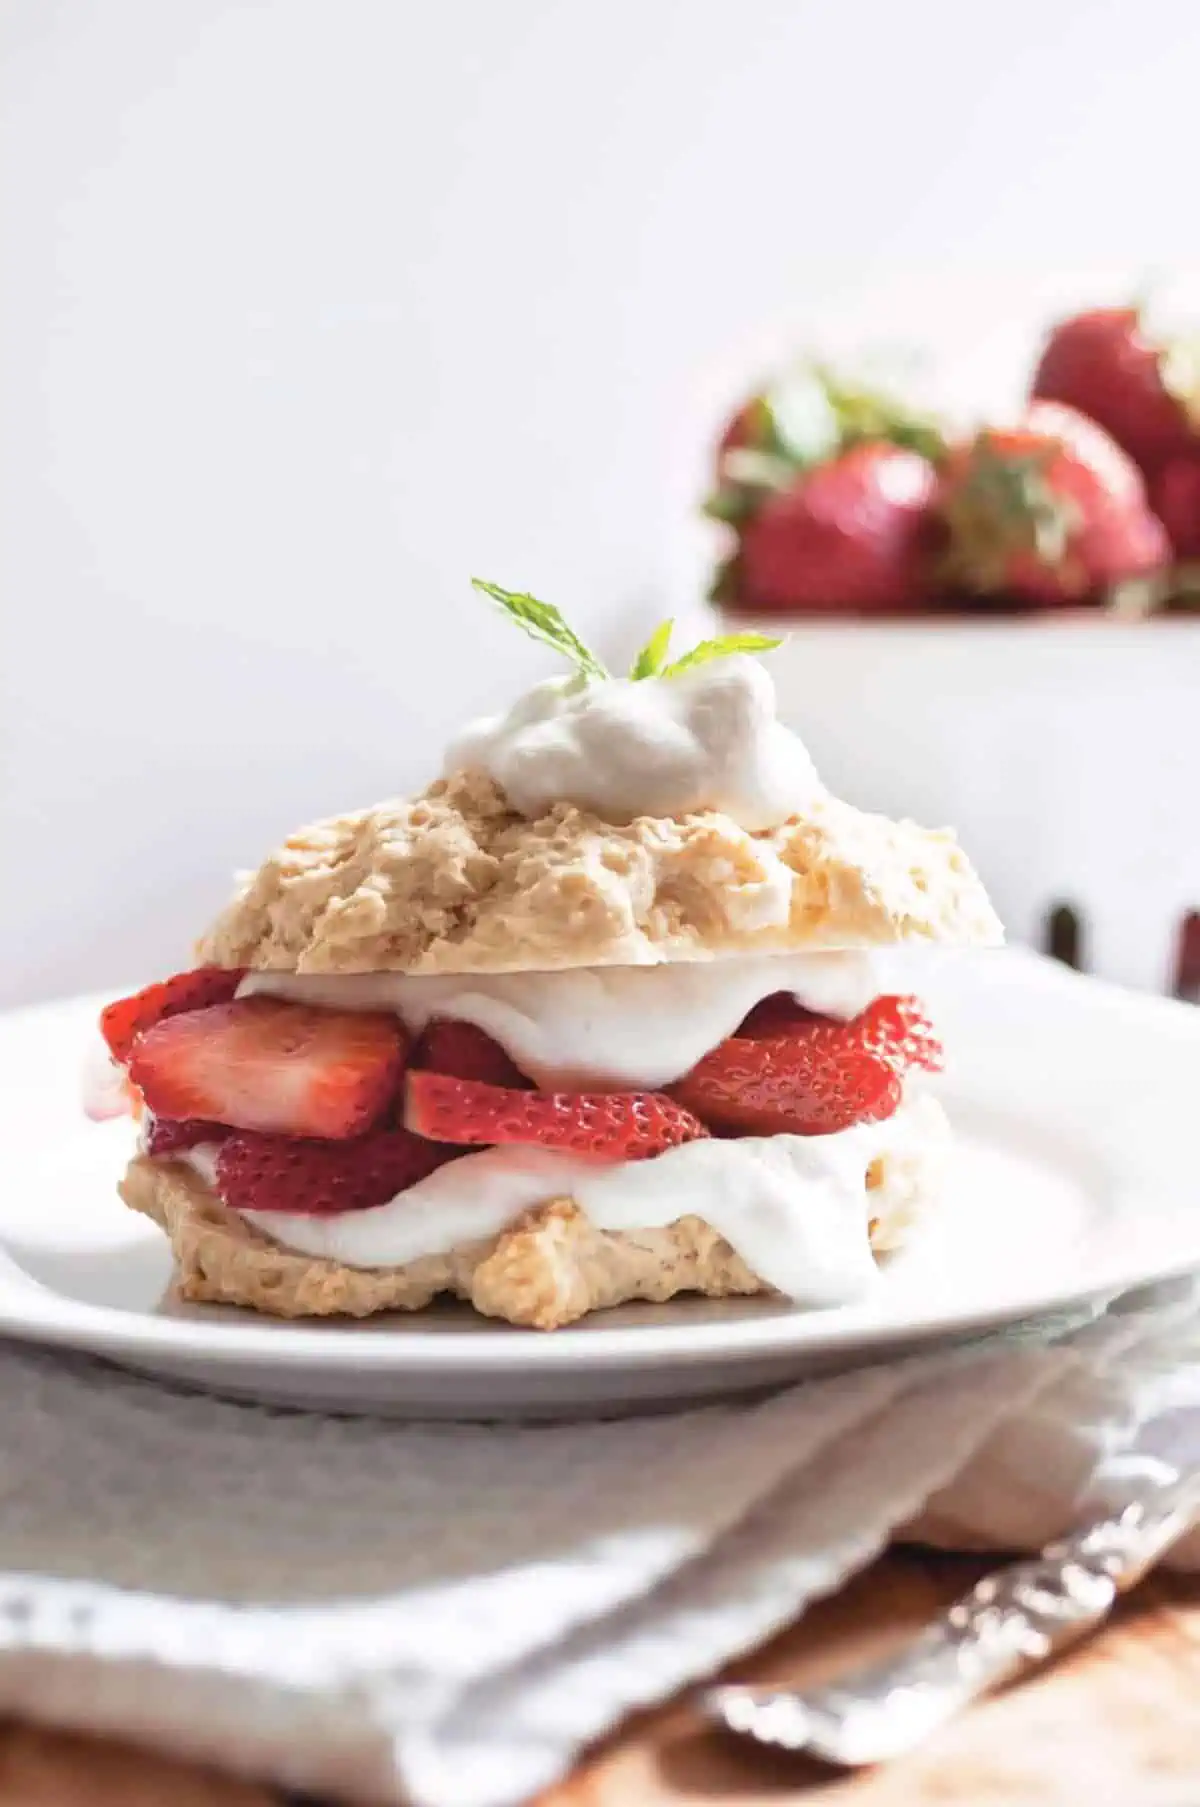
1064 749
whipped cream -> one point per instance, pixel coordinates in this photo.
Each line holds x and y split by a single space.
706 740
104 1088
602 1025
793 1207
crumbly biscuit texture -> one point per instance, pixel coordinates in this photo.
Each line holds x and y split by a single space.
455 881
548 1269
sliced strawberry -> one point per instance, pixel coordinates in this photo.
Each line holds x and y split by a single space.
776 1015
121 1023
812 1076
168 1135
285 1069
607 1126
898 1029
287 1173
466 1052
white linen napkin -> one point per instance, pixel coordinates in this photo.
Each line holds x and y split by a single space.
446 1614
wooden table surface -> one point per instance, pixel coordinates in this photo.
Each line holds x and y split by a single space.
1115 1724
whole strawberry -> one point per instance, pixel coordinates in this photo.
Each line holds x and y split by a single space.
770 438
849 536
1047 513
1175 496
1144 392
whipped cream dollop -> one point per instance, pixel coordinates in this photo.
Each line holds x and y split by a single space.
708 739
600 1025
795 1208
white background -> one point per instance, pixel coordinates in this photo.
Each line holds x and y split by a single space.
310 308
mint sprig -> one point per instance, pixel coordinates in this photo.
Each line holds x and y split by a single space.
649 661
708 650
542 621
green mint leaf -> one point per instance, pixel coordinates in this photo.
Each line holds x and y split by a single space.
720 649
542 621
649 661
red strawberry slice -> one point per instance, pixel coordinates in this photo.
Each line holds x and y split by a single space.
285 1069
898 1029
777 1015
121 1023
812 1077
286 1173
166 1136
606 1126
466 1052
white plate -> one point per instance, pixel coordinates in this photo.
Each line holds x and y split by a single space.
1071 1179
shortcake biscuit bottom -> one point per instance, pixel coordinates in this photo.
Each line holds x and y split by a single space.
549 1268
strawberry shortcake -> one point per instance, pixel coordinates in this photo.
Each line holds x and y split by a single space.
596 1018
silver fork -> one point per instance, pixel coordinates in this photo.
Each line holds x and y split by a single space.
1010 1622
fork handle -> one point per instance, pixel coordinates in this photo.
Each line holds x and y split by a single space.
1012 1620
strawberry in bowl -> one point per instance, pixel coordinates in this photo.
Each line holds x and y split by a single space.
1144 390
597 1018
1047 512
829 487
851 535
843 501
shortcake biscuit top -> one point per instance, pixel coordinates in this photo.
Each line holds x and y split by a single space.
606 822
456 881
